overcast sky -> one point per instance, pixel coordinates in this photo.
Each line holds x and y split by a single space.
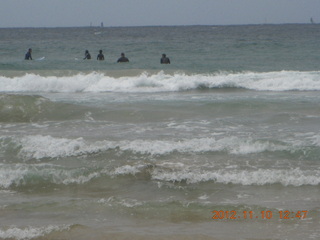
69 13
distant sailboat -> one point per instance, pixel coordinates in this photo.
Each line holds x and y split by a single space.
102 24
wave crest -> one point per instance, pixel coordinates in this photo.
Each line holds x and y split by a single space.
39 147
162 82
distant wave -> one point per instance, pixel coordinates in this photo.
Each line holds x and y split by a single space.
163 82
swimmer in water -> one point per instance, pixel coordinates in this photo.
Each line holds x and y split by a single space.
123 58
164 59
100 56
87 55
28 55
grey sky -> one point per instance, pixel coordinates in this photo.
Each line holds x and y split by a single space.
61 13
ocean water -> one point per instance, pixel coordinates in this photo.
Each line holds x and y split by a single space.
223 143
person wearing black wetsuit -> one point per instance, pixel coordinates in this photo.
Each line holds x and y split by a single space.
164 59
123 58
100 56
28 55
87 55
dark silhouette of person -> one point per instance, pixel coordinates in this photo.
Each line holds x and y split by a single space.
100 56
123 58
164 59
28 55
87 55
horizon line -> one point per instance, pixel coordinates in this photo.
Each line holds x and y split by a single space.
177 25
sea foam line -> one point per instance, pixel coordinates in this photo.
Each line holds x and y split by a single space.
162 82
294 177
38 146
24 174
188 173
30 232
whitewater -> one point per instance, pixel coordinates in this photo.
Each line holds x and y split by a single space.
161 82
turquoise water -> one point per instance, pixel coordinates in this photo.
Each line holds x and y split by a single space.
100 150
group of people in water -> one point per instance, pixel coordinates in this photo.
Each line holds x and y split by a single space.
100 56
164 59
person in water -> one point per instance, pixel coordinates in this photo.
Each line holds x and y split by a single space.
100 56
123 58
87 55
28 55
164 59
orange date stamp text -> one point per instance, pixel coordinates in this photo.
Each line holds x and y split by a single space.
267 214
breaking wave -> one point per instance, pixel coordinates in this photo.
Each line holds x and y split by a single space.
23 175
162 82
39 147
30 232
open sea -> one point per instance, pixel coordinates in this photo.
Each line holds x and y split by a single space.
222 144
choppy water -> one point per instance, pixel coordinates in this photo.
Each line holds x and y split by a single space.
100 150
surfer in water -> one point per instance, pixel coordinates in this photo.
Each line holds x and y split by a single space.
100 56
164 59
28 55
87 55
123 58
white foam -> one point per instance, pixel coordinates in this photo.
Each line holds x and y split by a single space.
30 232
190 174
10 176
129 203
99 82
19 174
279 81
79 179
38 146
127 169
203 197
233 145
315 139
194 175
295 177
